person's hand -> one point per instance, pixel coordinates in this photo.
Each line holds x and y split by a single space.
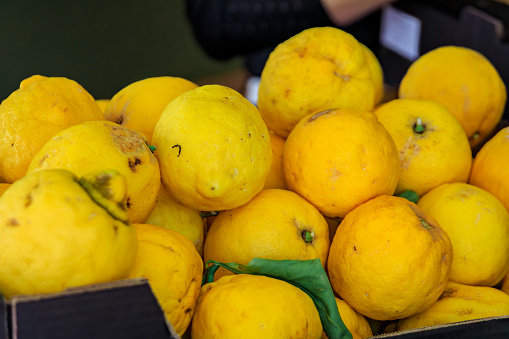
346 12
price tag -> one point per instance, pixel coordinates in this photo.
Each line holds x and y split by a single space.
400 32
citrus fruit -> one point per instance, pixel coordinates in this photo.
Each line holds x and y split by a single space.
139 105
179 218
173 268
478 225
213 148
338 159
59 231
31 115
96 145
389 260
433 147
355 322
490 168
4 187
459 303
319 68
254 306
377 74
275 178
465 82
103 103
275 224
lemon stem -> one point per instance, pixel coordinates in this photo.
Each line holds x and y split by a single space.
308 236
419 127
152 148
425 224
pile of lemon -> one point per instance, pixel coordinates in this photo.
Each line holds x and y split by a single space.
404 201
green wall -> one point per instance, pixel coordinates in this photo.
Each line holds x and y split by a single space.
103 45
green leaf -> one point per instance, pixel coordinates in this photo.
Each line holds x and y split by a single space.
410 195
308 275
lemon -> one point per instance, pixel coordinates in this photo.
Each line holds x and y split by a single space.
275 224
174 270
56 234
213 148
340 158
31 115
478 225
254 306
465 82
95 145
139 105
179 218
459 303
317 69
389 247
433 147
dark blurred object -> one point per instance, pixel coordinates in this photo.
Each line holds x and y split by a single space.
252 29
103 45
482 25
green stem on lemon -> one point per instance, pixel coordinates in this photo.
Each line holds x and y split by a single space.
419 126
308 236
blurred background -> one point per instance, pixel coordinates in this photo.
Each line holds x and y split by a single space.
103 45
107 45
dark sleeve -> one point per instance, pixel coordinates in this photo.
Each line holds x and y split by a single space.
227 28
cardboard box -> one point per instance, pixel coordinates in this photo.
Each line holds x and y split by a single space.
493 328
124 309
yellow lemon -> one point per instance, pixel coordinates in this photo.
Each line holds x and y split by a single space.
139 105
388 247
4 187
490 168
319 68
96 145
355 322
59 231
31 115
179 218
213 148
465 82
433 147
478 225
254 306
275 178
275 224
459 303
377 74
103 103
339 159
174 270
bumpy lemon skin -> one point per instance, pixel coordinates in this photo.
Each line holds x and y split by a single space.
465 82
213 148
31 115
54 236
272 225
139 105
489 171
439 154
173 215
338 159
478 225
97 145
254 306
317 69
386 247
460 303
174 270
